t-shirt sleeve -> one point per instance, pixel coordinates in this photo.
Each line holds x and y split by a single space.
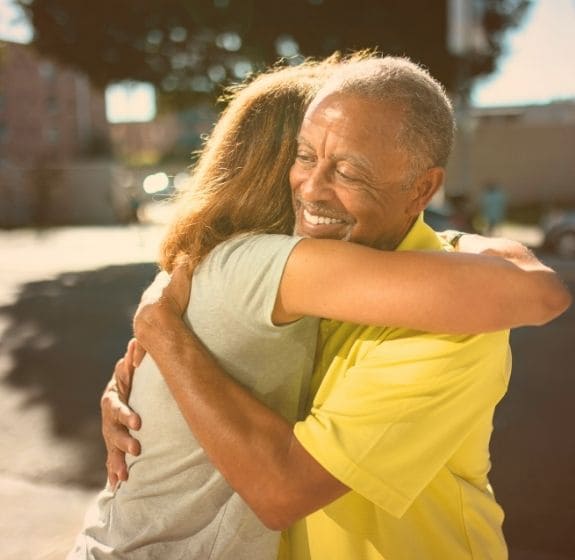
244 275
397 416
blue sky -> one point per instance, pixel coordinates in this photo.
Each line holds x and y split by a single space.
540 64
538 67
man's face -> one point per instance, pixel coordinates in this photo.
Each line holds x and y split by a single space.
350 180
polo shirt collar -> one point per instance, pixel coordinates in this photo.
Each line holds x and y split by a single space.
420 238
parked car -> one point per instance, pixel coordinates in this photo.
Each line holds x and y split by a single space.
559 230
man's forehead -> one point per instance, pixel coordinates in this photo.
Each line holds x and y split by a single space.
354 117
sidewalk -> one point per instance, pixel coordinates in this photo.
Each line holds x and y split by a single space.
63 295
39 521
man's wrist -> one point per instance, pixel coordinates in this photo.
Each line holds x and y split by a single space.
156 325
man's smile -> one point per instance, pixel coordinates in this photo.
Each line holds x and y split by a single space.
316 219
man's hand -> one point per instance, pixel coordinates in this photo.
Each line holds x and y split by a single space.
166 300
165 295
117 417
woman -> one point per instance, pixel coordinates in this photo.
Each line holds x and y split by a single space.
175 503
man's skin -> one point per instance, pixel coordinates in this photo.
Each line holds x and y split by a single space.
350 181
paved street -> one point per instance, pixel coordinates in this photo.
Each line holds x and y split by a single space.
66 298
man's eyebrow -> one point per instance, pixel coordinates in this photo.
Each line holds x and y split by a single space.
362 163
301 140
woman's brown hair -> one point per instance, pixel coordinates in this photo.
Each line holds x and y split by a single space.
240 182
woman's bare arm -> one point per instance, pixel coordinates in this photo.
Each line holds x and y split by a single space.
503 285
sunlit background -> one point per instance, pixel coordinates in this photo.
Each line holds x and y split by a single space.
99 125
152 132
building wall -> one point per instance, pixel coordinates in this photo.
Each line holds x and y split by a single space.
146 142
529 151
169 135
50 116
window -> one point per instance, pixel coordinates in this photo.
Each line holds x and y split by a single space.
47 70
51 134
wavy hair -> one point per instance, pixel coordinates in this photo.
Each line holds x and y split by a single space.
240 183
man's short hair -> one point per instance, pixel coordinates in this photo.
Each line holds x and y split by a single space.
428 125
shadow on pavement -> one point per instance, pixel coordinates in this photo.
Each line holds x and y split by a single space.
532 448
63 338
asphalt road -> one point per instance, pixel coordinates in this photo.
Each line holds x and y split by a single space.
66 298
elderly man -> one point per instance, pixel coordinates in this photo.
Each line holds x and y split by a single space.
392 460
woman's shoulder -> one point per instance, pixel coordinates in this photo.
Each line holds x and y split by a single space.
250 247
246 240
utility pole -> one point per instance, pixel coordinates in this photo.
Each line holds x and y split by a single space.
465 39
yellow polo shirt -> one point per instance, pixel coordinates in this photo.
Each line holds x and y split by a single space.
404 418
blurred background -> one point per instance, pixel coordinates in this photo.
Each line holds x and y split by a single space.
102 107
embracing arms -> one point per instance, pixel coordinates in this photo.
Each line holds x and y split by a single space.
430 291
295 483
250 444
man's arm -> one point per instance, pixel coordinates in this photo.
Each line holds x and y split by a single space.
252 446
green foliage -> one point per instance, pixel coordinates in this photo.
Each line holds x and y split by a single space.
188 48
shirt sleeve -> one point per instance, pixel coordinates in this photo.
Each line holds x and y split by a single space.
243 276
394 419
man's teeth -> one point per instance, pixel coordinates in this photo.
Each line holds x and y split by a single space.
315 220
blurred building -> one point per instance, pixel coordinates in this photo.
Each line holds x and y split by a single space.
527 150
55 165
173 135
142 143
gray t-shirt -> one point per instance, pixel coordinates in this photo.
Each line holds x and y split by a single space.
175 503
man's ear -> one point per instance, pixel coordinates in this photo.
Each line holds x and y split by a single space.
425 186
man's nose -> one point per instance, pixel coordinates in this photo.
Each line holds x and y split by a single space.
317 185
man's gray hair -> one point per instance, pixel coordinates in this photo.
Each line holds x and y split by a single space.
428 124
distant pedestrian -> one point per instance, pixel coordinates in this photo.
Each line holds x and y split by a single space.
493 207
